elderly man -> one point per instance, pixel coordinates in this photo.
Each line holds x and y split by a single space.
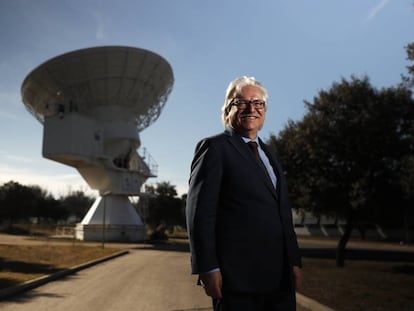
242 241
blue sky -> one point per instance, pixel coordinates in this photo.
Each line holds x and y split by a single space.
294 47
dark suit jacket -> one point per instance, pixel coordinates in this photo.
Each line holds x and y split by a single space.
236 220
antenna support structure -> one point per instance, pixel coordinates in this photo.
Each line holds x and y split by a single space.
93 103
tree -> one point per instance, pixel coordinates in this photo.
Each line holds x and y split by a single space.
408 81
47 207
18 202
77 203
407 184
164 207
346 156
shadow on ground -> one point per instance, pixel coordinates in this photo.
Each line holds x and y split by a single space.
22 267
359 254
28 296
309 252
169 246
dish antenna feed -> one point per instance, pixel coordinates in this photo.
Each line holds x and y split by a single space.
93 103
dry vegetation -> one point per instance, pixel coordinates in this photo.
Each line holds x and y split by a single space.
360 285
20 263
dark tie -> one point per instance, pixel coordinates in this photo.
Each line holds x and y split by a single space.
253 146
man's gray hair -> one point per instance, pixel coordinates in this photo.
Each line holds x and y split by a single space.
233 91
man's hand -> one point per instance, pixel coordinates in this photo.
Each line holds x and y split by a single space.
297 273
212 283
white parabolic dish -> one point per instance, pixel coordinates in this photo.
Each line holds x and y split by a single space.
87 79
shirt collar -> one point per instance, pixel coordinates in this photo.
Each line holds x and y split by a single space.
246 139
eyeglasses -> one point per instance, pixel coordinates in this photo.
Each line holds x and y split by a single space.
242 104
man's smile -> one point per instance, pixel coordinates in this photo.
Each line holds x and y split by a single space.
249 116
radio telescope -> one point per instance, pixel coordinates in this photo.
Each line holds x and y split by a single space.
93 103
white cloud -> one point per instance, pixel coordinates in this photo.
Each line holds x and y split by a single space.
5 156
58 185
27 171
375 10
100 27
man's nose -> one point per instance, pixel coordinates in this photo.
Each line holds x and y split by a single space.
250 107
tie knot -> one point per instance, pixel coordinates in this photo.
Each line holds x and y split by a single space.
252 145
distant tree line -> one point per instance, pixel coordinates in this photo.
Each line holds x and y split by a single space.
20 203
159 207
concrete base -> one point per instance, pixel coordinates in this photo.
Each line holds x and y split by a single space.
111 218
110 233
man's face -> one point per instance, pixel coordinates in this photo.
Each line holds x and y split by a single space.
248 120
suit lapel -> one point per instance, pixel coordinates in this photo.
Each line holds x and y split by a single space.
272 158
240 145
243 149
273 162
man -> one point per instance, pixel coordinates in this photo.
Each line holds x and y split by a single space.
239 217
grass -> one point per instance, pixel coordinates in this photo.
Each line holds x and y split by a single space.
20 263
360 285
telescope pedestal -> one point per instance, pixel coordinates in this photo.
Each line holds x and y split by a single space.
93 103
111 218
